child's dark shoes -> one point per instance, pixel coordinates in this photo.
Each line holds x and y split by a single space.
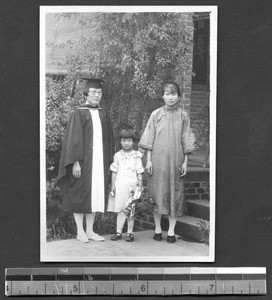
157 237
130 237
171 239
116 237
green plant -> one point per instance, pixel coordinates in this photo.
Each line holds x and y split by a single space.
204 226
105 223
202 127
59 224
145 205
134 52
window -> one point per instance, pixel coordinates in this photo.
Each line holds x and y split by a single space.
201 55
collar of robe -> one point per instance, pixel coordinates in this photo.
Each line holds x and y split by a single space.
172 107
92 106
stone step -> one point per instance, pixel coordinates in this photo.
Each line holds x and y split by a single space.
189 228
199 209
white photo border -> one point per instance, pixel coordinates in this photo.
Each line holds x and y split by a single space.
213 97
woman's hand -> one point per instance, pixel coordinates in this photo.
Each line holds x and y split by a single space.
183 169
76 169
149 167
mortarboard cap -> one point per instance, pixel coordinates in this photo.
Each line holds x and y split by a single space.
95 83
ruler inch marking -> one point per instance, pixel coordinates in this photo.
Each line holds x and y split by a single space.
141 281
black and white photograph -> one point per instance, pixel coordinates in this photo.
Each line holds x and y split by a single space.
128 133
136 149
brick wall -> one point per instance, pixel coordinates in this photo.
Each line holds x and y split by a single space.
199 99
184 80
197 190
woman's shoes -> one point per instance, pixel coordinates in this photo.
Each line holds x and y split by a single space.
157 237
130 237
171 239
95 237
116 237
82 238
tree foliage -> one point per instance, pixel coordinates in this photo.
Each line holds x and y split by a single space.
134 52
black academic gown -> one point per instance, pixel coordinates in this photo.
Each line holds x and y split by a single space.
78 146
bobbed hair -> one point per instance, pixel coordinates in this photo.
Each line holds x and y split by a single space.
128 133
173 86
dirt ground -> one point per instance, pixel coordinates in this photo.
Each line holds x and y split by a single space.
144 248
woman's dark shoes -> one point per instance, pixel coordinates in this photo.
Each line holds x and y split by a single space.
157 237
130 237
116 237
171 239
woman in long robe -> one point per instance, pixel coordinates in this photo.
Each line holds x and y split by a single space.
168 142
85 158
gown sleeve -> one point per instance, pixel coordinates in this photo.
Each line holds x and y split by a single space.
115 164
188 137
148 137
72 150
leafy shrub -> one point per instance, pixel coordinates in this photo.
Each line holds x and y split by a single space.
204 226
202 127
60 224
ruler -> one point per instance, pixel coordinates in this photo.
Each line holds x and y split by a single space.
134 281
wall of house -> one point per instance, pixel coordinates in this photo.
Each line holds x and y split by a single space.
199 99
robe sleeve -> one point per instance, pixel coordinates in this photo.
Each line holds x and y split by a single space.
72 150
108 138
115 164
111 152
188 137
148 137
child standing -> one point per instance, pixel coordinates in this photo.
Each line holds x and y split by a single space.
126 176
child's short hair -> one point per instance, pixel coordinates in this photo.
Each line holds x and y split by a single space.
173 87
128 133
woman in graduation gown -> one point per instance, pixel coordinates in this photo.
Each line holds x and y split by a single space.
85 158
